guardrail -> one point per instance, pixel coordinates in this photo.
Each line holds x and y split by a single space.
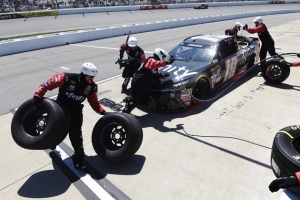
13 46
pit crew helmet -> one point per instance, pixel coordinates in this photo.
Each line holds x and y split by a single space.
161 54
258 20
89 69
132 42
238 24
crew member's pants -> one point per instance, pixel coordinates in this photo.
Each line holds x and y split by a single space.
75 132
267 46
128 72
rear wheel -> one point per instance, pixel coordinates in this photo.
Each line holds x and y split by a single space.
200 89
275 71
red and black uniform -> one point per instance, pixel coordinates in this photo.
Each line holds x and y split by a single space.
231 31
141 83
137 57
73 90
267 41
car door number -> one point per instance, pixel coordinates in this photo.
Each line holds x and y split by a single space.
230 66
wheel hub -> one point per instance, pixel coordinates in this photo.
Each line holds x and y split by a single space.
118 137
41 123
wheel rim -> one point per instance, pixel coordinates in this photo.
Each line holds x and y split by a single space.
114 136
41 124
274 72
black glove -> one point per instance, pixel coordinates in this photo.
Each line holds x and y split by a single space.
104 112
165 75
37 102
284 182
170 61
245 27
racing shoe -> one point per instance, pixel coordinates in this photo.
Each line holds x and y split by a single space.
78 163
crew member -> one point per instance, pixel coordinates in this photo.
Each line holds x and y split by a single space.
234 30
136 56
73 90
144 77
267 41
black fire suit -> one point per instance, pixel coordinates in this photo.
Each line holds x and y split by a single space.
267 41
73 90
137 57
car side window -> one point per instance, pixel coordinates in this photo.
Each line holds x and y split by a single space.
227 49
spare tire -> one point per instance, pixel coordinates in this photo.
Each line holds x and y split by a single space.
285 157
117 136
275 70
36 129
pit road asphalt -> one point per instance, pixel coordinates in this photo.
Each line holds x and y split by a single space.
218 150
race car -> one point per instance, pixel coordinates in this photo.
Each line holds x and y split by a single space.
201 6
203 65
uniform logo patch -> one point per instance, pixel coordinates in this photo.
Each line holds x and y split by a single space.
72 82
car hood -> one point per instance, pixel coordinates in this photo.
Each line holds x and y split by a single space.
181 71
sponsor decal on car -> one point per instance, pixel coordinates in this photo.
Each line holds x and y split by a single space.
185 97
215 75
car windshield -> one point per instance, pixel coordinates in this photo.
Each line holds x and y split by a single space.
193 52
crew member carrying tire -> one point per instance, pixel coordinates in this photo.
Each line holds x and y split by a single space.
234 30
144 77
268 44
73 90
136 56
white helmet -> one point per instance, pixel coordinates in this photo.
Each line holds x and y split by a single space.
132 42
237 24
161 54
89 69
258 19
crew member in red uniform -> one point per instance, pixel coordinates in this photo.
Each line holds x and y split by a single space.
267 41
137 57
285 182
73 90
143 78
234 30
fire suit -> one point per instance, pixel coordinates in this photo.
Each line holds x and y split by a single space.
141 83
231 31
267 41
73 90
137 57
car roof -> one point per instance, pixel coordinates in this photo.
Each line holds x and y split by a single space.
206 39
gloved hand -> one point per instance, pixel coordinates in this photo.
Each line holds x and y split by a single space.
37 102
245 27
284 182
170 61
164 75
104 112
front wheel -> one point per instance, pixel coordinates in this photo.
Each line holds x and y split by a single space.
275 71
200 89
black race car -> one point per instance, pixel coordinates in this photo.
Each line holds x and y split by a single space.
201 6
203 65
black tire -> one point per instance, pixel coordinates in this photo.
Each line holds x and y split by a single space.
200 89
37 129
285 158
275 71
117 136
